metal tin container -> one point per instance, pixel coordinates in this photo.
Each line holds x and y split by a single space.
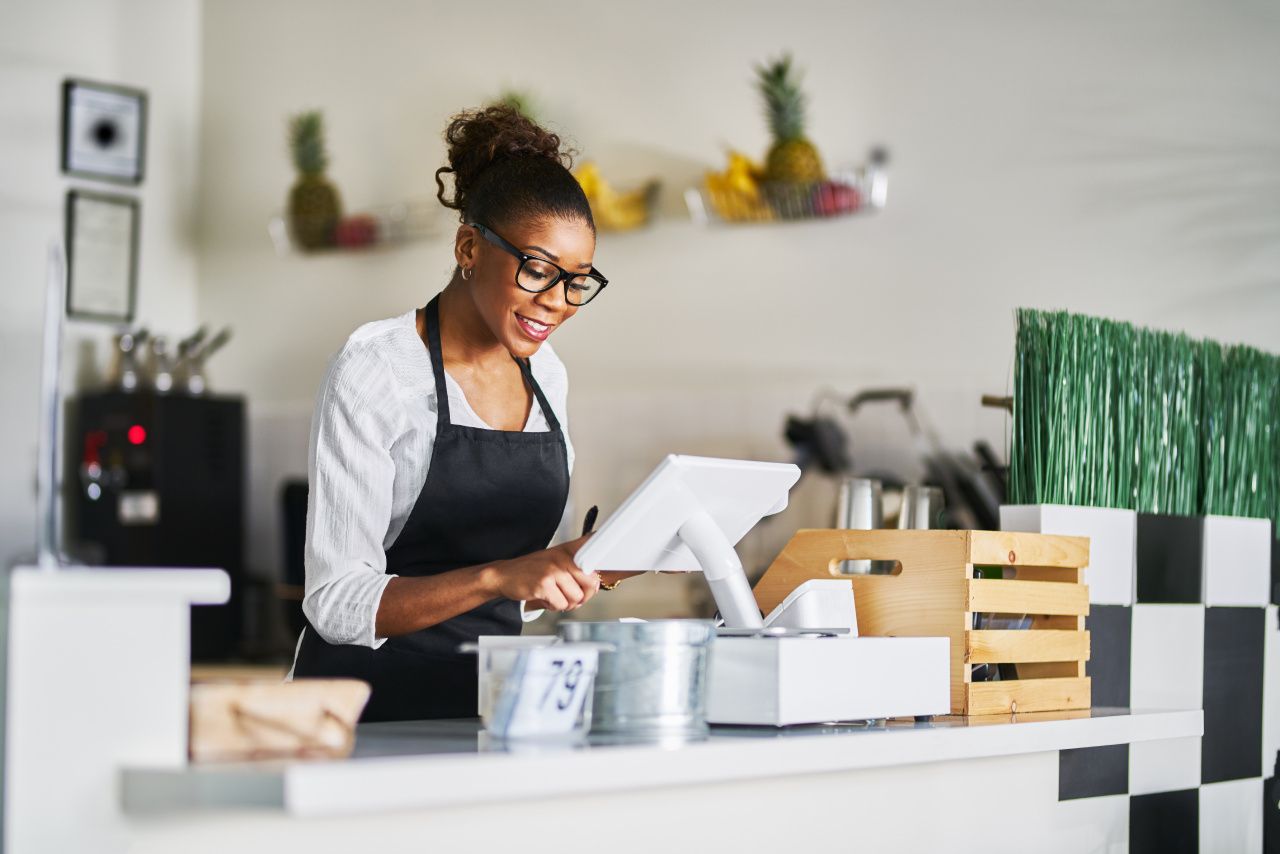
652 679
921 508
860 507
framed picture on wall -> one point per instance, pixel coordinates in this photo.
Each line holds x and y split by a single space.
102 256
104 131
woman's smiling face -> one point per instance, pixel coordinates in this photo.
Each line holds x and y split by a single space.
518 319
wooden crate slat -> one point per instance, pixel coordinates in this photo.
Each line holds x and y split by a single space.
1063 574
1011 548
1028 695
997 646
1050 669
1057 621
998 596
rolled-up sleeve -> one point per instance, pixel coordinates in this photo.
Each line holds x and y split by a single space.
351 475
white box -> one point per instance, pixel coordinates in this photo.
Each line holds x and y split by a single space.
1113 537
781 681
1271 695
1166 765
1166 664
1231 816
1236 561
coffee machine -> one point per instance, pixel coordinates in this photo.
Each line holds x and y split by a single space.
159 480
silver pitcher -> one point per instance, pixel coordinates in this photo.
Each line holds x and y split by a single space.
860 507
921 508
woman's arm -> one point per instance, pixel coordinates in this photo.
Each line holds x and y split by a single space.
351 474
548 577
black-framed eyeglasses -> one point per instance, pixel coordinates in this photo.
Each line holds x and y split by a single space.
536 275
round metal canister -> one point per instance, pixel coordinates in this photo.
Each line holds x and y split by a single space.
652 676
921 507
860 507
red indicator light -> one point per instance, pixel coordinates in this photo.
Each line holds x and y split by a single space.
137 434
93 443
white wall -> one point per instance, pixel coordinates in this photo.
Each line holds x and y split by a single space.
152 44
1114 159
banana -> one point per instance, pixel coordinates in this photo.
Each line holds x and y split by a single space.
612 210
735 193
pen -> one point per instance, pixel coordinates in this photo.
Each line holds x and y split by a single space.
590 522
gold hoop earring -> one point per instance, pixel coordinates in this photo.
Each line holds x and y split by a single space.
465 271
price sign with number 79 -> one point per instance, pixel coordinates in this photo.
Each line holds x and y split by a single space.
546 693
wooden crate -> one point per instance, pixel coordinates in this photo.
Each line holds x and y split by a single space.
934 593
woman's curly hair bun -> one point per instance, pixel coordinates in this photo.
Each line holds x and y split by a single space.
480 139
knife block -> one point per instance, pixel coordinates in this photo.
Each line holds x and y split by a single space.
933 592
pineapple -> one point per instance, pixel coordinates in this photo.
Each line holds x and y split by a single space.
792 158
519 100
314 206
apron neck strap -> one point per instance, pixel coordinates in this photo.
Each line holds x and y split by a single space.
553 423
432 316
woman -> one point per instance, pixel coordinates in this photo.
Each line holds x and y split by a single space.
439 456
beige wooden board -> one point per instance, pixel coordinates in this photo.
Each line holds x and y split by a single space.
1064 574
998 596
1018 646
1028 695
1050 669
1011 548
1051 621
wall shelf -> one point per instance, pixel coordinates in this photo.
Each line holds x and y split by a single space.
846 192
377 227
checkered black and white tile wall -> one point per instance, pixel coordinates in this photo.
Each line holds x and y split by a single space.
1183 614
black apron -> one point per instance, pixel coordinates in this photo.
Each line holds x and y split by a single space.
489 495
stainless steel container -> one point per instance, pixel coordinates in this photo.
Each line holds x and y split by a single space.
921 508
860 508
652 680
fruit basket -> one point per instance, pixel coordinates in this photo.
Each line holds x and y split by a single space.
737 197
371 227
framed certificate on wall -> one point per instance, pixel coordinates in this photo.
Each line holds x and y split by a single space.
104 131
102 256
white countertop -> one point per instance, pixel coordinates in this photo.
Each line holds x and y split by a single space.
103 584
424 764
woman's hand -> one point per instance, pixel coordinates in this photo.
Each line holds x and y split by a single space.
547 579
